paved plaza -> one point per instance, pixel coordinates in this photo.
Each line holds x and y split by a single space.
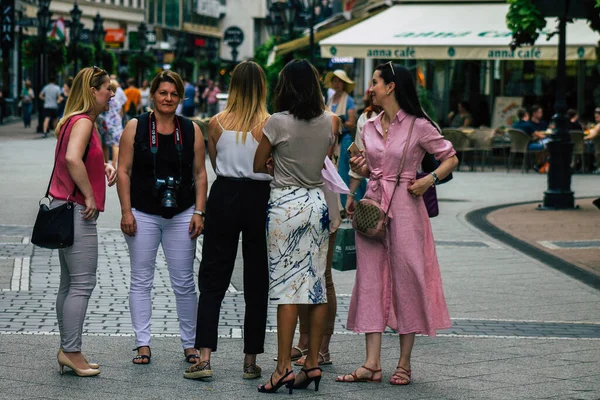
522 327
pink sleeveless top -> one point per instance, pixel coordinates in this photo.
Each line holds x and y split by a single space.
62 183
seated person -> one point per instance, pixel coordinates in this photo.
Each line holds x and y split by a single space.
463 118
525 124
574 123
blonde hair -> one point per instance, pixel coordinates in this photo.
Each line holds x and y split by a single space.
81 99
167 76
114 85
247 101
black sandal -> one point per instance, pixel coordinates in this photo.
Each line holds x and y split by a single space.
192 358
142 358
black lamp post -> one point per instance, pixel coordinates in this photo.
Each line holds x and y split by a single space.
143 42
43 16
559 195
142 37
76 27
292 15
212 49
98 36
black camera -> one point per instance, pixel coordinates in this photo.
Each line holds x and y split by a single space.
167 189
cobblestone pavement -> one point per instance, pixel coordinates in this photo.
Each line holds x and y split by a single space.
28 305
521 330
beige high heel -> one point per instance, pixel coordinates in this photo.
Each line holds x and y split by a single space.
64 361
92 365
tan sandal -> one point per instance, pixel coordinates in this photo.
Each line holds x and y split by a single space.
200 370
355 378
296 357
401 377
322 359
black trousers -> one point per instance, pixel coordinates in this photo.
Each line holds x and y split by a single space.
233 207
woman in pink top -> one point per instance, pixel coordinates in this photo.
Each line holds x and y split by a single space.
80 175
398 282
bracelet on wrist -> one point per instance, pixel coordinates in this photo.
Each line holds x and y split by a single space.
201 213
351 194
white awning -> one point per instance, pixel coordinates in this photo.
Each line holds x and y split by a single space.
452 32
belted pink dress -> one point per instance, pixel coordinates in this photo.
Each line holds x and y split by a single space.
398 282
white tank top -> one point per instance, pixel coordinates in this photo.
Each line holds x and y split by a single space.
236 160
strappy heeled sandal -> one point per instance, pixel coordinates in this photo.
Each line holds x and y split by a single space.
301 354
275 387
322 360
304 384
143 359
355 378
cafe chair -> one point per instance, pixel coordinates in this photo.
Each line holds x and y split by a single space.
519 141
462 144
482 139
578 148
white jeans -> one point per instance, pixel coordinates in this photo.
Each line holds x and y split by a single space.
179 249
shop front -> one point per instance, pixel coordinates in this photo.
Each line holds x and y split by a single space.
460 52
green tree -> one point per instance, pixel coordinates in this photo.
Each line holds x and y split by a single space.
54 50
526 21
261 57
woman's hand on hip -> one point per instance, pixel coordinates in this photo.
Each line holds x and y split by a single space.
128 224
91 210
420 186
196 226
111 174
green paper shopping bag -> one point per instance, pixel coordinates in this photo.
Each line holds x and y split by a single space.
344 254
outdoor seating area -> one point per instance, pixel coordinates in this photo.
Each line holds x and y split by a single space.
486 147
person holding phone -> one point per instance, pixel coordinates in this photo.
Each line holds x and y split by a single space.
398 281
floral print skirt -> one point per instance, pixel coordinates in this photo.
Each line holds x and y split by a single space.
297 239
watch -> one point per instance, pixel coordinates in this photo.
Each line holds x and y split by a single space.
201 213
436 180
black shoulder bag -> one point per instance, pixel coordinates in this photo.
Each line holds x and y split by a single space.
54 228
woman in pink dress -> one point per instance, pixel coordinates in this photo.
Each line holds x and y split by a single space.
398 282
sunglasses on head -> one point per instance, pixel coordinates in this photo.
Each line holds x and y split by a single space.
391 67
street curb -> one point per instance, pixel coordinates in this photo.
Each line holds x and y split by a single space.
478 218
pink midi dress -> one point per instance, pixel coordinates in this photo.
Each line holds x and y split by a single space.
398 282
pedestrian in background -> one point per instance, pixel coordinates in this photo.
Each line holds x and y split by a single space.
189 104
80 177
342 104
237 204
64 95
299 137
162 189
210 97
50 94
398 282
27 96
110 126
145 95
134 99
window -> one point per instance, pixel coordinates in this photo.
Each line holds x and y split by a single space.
160 4
172 13
151 11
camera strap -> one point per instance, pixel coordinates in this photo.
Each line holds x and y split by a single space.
177 137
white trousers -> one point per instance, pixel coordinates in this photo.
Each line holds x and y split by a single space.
180 250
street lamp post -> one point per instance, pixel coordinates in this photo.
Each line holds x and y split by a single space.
98 36
212 49
559 195
75 33
43 16
291 15
143 42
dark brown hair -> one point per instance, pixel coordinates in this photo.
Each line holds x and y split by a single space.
298 91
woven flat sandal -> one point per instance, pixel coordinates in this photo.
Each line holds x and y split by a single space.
252 371
322 360
200 370
298 356
192 358
142 359
401 377
355 378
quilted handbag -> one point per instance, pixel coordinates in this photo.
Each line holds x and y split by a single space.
370 219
